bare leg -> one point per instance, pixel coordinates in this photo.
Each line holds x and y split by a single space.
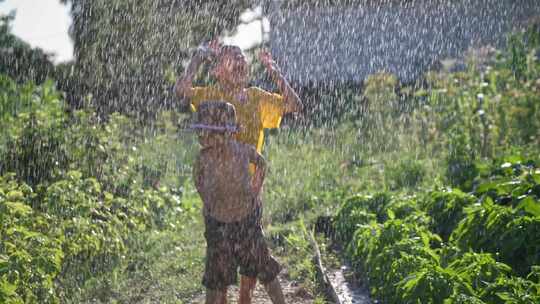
275 292
216 296
247 285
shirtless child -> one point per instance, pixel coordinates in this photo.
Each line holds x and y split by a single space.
232 206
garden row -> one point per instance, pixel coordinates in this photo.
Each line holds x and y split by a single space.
447 246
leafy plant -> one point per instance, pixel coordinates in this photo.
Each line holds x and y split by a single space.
446 208
406 173
432 284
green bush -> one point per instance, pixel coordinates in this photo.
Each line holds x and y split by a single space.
499 229
71 197
446 208
479 269
511 290
406 173
402 207
432 284
33 144
461 169
352 214
512 182
394 264
30 258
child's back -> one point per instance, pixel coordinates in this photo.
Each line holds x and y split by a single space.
224 182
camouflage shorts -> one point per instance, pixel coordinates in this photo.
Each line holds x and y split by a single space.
237 245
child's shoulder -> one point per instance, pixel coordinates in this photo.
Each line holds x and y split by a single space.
257 91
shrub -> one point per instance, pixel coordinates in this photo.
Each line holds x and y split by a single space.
406 173
432 284
446 208
499 229
30 259
33 145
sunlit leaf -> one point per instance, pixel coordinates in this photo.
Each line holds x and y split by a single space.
530 205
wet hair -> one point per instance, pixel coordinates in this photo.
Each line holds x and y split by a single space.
228 49
233 51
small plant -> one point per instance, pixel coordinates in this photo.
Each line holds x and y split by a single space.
446 208
407 173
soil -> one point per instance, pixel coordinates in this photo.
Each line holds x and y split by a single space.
294 294
347 287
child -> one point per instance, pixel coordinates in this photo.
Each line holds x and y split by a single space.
256 109
232 206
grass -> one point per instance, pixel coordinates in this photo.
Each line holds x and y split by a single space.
311 174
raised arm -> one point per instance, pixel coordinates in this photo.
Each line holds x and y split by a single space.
290 98
184 85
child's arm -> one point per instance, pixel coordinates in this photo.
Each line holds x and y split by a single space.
184 85
290 98
197 177
260 170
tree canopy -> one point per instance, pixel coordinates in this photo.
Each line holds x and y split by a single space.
127 52
18 59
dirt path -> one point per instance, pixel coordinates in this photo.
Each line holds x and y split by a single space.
348 290
293 294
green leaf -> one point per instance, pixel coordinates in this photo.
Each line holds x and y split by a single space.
530 205
391 214
506 297
17 207
4 262
482 188
7 289
514 159
536 176
15 195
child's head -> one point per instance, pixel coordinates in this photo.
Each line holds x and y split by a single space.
231 67
216 122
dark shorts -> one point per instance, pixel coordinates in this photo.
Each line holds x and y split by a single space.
233 245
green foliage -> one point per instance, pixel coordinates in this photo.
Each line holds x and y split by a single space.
461 168
352 215
500 230
18 59
29 259
479 269
406 173
507 221
513 182
33 145
487 253
432 284
71 200
70 232
446 208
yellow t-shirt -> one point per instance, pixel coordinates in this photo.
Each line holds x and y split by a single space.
262 110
